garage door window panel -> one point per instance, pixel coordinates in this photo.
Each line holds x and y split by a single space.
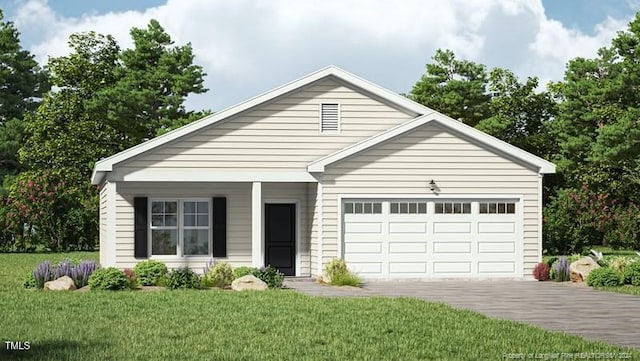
453 208
497 208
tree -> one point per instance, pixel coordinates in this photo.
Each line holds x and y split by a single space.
22 83
457 88
153 83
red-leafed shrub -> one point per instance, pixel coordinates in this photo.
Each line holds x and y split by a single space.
541 272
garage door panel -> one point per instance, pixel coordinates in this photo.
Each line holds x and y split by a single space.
496 247
451 227
363 227
364 247
496 267
407 247
407 267
451 267
451 247
496 227
363 237
365 268
407 227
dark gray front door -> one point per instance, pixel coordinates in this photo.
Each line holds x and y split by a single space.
280 237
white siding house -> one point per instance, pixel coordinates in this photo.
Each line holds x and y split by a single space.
328 166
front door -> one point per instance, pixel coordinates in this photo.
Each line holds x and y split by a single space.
280 237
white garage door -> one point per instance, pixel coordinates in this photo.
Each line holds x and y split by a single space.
407 238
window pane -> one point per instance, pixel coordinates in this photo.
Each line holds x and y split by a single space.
492 208
447 208
196 242
348 208
511 208
457 208
157 207
189 207
203 207
501 208
403 208
170 207
164 241
394 207
466 208
358 208
377 208
170 220
203 220
483 208
413 208
157 220
367 208
189 220
439 208
422 208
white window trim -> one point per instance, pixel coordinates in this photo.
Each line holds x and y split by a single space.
339 118
180 228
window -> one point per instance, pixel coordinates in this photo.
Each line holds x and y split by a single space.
180 227
497 208
453 208
329 118
408 207
363 208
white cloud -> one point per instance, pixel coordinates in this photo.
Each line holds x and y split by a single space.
250 46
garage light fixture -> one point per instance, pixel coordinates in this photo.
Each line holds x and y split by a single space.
432 185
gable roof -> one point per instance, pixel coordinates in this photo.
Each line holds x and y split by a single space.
542 165
106 164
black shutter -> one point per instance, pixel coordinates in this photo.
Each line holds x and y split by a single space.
140 248
219 226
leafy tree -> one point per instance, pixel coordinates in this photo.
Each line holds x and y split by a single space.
457 88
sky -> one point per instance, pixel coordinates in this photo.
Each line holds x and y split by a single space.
247 47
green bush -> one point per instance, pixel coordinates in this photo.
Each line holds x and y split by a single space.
619 263
220 275
182 277
244 271
603 277
551 260
346 279
150 272
111 279
29 281
631 274
271 276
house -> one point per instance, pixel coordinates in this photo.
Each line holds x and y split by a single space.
327 166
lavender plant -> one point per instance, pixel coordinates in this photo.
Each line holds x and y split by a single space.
212 262
62 269
81 272
561 270
43 273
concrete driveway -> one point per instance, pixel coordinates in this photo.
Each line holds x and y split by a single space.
580 310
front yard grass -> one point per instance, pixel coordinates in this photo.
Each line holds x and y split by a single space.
275 324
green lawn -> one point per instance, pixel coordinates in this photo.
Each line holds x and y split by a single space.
273 325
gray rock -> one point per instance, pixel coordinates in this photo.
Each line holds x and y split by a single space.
248 282
580 269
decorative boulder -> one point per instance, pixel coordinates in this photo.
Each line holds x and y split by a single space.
248 282
580 269
64 283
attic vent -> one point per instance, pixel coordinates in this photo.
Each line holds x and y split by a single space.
329 118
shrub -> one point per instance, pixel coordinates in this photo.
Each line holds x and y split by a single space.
131 276
346 279
561 270
81 272
335 268
150 272
619 263
111 279
603 277
271 276
551 260
220 275
244 271
182 277
29 281
43 273
632 274
541 271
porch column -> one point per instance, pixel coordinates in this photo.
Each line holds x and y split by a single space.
257 258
